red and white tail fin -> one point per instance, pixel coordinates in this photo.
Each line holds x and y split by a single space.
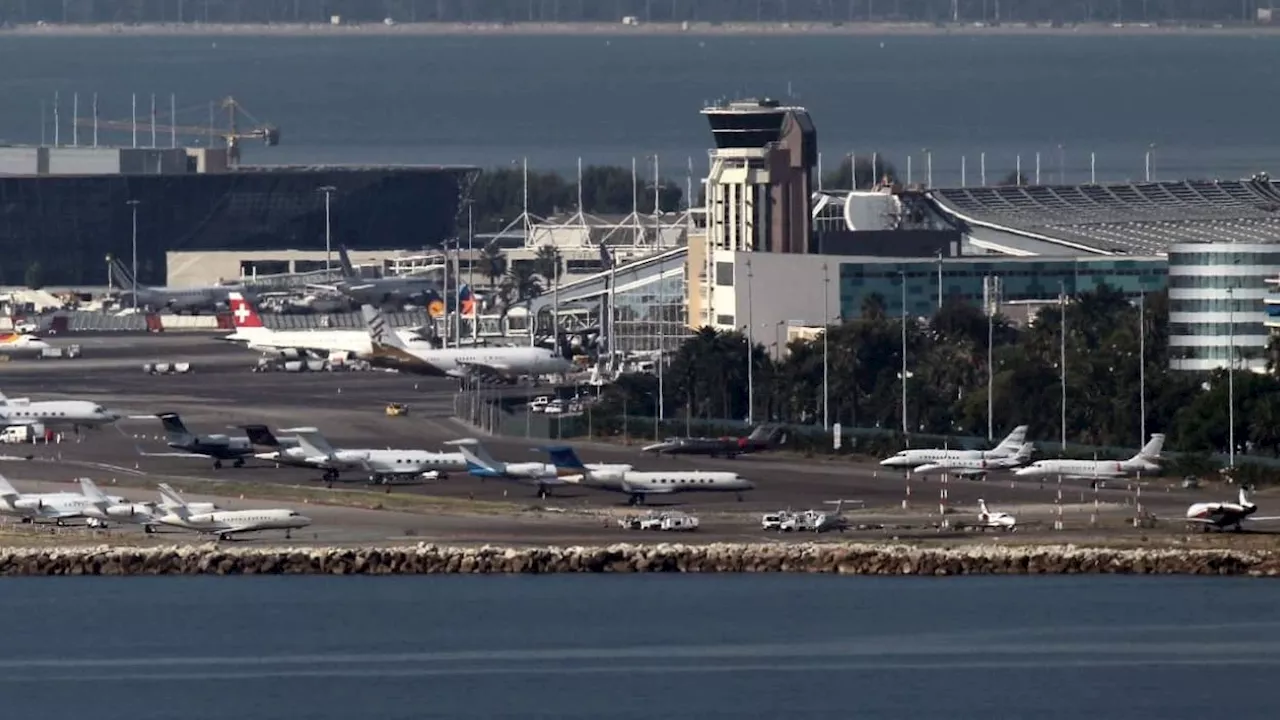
243 314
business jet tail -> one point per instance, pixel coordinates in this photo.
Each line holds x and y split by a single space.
312 441
1151 451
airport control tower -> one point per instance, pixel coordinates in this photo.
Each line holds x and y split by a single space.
758 190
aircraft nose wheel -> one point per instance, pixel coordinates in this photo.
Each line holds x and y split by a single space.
238 463
217 464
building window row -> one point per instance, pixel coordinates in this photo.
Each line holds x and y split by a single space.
1217 305
1201 259
1217 282
1215 329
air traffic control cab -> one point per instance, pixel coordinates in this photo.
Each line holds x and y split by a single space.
761 179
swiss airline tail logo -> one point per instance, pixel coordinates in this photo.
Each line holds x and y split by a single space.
242 312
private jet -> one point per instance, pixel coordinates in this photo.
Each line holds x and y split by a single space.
977 467
226 523
382 466
1144 461
761 438
106 510
638 484
219 447
914 458
20 344
72 414
998 520
57 506
1223 515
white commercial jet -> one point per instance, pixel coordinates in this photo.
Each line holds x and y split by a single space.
1223 515
254 334
915 458
541 475
977 467
381 466
57 506
225 523
1144 461
19 344
73 414
104 510
505 364
639 484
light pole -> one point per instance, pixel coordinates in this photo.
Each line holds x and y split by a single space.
133 206
1062 358
328 191
928 168
751 348
903 276
1142 368
1231 378
991 378
826 329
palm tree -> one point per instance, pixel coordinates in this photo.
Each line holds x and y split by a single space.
493 263
524 283
548 263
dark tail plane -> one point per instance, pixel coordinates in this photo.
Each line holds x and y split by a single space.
261 436
348 271
173 427
765 437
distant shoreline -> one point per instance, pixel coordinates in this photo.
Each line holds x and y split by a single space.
618 29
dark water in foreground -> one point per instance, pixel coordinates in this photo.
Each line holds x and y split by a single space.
638 647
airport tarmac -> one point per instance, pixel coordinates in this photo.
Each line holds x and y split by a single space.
349 408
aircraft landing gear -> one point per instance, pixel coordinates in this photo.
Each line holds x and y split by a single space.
288 534
636 499
223 536
543 493
149 529
739 497
238 463
217 464
329 477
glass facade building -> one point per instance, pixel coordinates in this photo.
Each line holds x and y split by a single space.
654 315
1020 279
1217 304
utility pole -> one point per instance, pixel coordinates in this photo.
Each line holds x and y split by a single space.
1231 377
1142 368
826 330
751 347
903 276
328 191
1062 358
991 378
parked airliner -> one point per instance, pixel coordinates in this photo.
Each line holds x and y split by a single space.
915 458
639 484
18 344
254 334
1223 515
1144 461
506 364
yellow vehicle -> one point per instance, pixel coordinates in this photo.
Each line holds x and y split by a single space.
397 409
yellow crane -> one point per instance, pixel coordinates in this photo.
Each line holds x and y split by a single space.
232 134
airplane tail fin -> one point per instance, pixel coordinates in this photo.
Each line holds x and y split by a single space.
90 489
312 441
466 301
7 490
381 334
1025 452
564 458
1151 451
174 428
1244 498
982 507
119 276
477 457
244 316
4 399
261 436
170 500
1014 440
348 270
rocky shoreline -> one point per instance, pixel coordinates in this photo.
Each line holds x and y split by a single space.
839 558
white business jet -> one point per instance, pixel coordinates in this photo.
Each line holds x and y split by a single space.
998 520
977 467
72 414
381 466
541 475
59 506
638 485
914 458
1223 515
505 364
105 510
20 344
1144 461
255 335
225 523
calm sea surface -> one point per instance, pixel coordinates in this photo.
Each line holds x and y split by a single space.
1208 104
638 647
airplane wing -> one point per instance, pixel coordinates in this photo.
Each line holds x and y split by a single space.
1259 519
1206 521
484 370
174 454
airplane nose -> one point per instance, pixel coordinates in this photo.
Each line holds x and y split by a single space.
887 462
1024 472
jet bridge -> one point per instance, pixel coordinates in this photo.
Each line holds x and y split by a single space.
627 277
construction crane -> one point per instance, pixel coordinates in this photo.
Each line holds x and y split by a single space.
231 135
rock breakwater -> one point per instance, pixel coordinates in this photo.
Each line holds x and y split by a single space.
840 558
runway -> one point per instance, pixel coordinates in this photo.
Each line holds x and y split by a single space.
348 407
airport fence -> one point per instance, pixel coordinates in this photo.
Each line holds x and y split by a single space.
511 417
